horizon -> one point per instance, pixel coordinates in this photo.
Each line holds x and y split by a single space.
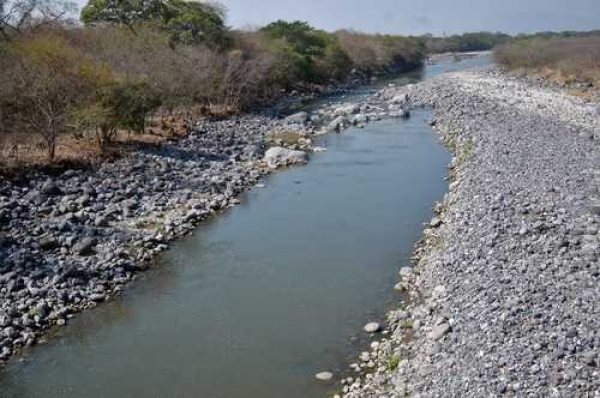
435 17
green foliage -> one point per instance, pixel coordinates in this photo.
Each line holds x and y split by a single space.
187 22
473 41
392 362
301 37
190 22
124 12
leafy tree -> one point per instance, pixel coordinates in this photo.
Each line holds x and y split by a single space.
303 38
190 22
187 22
121 12
115 103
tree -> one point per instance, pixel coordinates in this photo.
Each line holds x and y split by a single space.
49 78
16 16
116 104
303 38
186 22
121 12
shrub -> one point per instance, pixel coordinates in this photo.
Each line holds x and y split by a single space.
565 58
49 77
381 53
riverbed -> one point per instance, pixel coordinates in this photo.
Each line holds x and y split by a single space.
261 298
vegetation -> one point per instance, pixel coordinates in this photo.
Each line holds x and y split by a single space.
476 41
133 60
381 53
566 57
392 362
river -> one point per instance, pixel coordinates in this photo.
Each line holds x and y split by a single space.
261 298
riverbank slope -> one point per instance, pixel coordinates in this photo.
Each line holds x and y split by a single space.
504 293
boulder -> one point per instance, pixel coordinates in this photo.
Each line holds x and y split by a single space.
337 124
361 118
347 110
279 156
372 327
50 188
48 243
324 376
298 118
400 99
85 247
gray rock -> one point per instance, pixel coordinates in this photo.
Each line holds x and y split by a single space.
51 188
278 156
439 331
300 118
85 247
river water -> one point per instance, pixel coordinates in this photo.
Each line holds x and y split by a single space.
261 298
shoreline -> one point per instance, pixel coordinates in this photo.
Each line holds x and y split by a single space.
73 239
495 307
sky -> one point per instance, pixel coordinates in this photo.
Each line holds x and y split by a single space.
420 16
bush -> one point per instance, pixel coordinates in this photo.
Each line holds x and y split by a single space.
381 53
474 41
48 79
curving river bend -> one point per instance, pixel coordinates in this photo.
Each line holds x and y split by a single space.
263 297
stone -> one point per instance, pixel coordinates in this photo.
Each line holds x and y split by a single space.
347 110
51 188
299 118
337 124
400 99
324 376
406 272
85 247
49 243
372 327
278 156
439 331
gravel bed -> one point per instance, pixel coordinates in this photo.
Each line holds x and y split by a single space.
504 295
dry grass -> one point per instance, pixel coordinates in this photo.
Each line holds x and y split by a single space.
565 60
21 151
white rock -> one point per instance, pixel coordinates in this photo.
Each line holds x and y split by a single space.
346 110
277 156
324 376
372 327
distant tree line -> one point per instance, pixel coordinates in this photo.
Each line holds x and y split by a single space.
467 42
484 41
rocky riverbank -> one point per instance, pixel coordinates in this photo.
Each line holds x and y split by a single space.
74 238
71 239
503 296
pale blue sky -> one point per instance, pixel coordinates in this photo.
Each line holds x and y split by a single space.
421 16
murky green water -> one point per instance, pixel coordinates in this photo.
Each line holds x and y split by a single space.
263 297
